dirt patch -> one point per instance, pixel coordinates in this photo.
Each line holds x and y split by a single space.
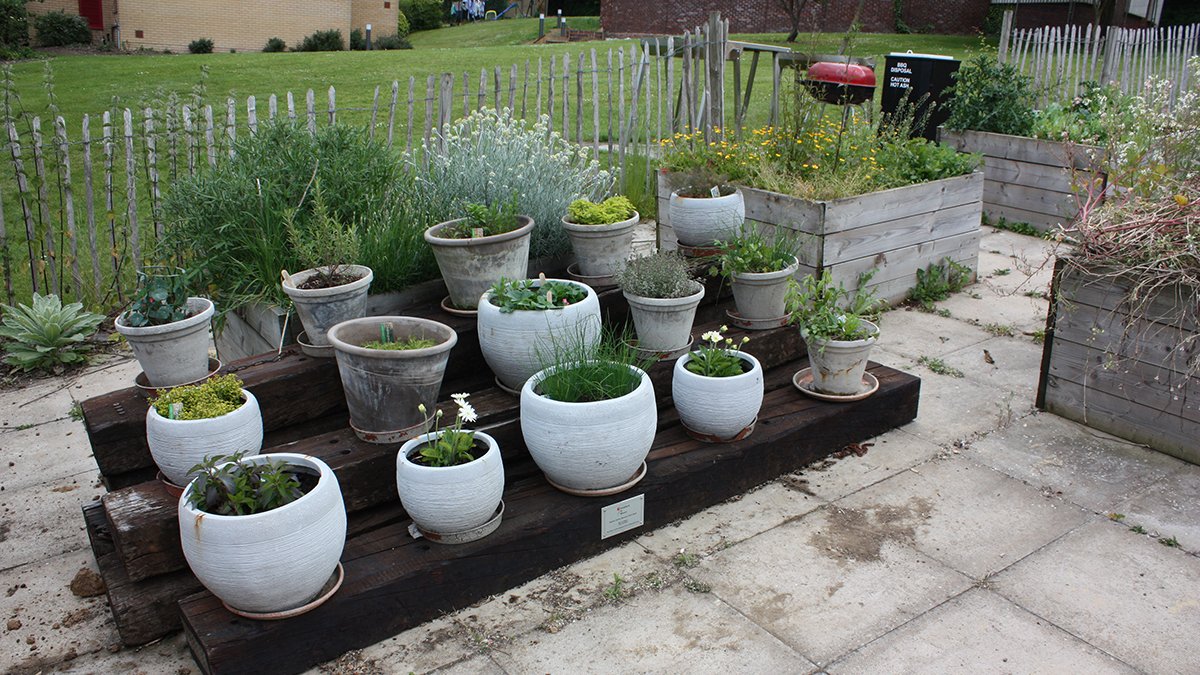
352 663
88 584
4 527
793 482
859 535
78 616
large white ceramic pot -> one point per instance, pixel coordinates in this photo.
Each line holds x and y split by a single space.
601 249
512 341
322 308
450 499
272 561
470 266
175 353
701 221
838 365
761 295
718 408
179 445
664 324
591 445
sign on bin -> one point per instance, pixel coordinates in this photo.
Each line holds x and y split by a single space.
915 86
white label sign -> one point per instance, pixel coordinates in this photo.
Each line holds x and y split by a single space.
622 516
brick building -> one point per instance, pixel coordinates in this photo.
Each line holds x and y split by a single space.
244 25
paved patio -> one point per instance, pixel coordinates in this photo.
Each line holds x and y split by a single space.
983 537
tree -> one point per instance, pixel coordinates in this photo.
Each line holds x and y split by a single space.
795 11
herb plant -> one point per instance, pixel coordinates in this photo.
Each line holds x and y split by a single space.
658 275
211 398
753 251
159 300
226 486
46 335
581 373
453 446
484 220
323 243
824 312
534 294
612 210
937 281
718 356
991 96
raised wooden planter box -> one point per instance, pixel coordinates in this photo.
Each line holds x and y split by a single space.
1123 375
897 231
1028 180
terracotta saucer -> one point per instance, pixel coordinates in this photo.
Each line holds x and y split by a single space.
316 351
803 381
662 355
604 492
148 391
327 591
756 324
597 283
449 308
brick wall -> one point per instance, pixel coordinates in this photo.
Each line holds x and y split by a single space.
244 25
70 7
382 19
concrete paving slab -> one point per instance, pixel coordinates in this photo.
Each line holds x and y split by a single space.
33 404
168 656
1089 468
671 631
436 644
113 372
47 452
478 665
1025 313
913 333
1014 366
1169 507
972 518
45 519
978 632
1123 593
826 584
888 455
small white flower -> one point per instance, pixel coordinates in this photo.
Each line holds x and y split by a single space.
466 412
421 408
459 398
711 336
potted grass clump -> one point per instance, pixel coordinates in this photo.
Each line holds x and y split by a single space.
167 329
451 480
186 424
389 365
662 298
490 243
601 235
520 317
718 389
838 334
589 417
759 266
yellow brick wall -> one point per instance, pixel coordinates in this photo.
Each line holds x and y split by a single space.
382 19
244 25
70 7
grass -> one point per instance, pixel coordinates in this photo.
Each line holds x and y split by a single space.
939 366
507 32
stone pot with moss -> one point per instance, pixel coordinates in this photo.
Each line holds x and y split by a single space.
186 424
167 330
663 299
601 234
390 365
489 244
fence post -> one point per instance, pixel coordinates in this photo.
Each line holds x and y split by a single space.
110 202
39 166
89 200
152 172
68 198
23 192
1005 35
131 191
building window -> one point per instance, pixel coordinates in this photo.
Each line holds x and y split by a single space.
93 11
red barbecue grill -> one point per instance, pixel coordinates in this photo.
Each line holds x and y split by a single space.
840 83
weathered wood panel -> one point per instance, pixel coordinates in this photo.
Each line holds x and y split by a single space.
1057 178
1021 148
891 235
1056 206
896 273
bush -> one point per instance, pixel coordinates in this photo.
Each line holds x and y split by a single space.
201 46
387 42
357 43
275 45
423 14
323 41
14 24
56 29
989 96
47 335
402 27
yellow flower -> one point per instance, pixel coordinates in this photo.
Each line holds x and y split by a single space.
1181 200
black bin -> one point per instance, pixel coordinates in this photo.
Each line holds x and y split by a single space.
921 80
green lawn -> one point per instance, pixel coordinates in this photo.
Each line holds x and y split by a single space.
506 32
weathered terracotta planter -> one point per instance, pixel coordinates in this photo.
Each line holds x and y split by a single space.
175 353
470 266
321 308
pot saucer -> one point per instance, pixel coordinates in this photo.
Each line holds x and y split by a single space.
505 388
451 309
661 355
756 324
315 351
600 283
709 438
464 536
704 251
174 490
604 492
331 586
803 380
147 391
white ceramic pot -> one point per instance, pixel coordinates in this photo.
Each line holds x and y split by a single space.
449 499
470 266
838 365
322 308
175 353
701 221
178 445
761 296
593 445
272 561
664 324
601 249
717 407
511 342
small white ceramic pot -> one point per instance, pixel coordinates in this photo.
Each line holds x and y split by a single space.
178 445
838 365
701 221
450 499
761 296
719 408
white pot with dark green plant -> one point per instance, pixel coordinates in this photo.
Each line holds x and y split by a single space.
589 417
451 480
518 319
662 298
601 234
331 290
718 389
264 534
167 330
47 335
390 365
759 266
489 244
836 330
703 214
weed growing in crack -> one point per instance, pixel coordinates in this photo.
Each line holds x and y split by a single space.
696 586
939 366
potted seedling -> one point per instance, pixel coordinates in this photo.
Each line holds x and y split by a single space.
331 290
167 330
264 533
834 325
490 243
389 365
601 235
451 479
718 389
662 298
759 265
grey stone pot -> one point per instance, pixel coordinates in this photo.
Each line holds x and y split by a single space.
664 324
838 365
601 249
761 295
470 266
321 308
700 221
384 387
175 353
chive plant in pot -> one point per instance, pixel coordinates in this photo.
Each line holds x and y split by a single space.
264 534
718 389
490 243
186 424
517 319
331 290
663 299
589 417
451 480
389 365
839 337
703 213
759 266
601 235
168 330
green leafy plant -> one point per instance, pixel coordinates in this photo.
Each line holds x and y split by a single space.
403 27
227 486
55 29
46 334
452 446
658 275
718 356
581 372
211 398
423 14
754 251
357 42
14 26
616 590
323 243
823 311
201 46
534 294
159 300
275 45
915 160
612 210
484 220
937 281
323 41
939 366
991 96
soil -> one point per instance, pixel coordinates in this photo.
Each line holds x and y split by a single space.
704 192
337 279
87 584
479 448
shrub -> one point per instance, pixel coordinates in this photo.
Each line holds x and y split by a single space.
56 29
658 275
46 335
201 46
402 26
275 45
357 42
423 14
14 24
385 42
323 41
612 210
990 96
912 161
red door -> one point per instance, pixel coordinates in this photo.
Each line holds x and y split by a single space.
93 11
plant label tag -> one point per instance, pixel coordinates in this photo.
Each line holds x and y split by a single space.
716 191
175 411
622 516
